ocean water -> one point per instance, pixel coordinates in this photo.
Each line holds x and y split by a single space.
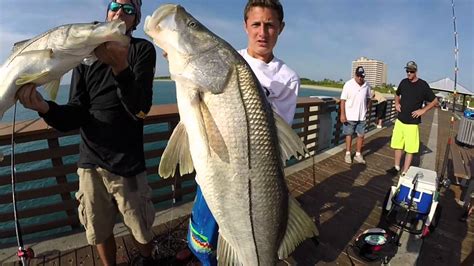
163 93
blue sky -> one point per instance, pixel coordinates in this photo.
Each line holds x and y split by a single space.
320 40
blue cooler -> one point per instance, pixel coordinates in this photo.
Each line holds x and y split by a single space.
469 113
425 189
421 202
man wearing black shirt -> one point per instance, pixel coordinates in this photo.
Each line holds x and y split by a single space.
409 98
108 102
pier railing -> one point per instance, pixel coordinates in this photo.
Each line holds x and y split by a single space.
45 163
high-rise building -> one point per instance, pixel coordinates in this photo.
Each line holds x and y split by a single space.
375 71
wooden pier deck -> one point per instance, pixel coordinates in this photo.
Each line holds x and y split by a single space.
344 200
348 199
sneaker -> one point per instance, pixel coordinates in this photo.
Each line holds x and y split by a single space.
359 158
347 158
379 126
392 171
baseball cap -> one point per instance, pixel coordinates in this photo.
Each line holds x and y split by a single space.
411 65
360 72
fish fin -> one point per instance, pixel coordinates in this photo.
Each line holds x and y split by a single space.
30 78
290 143
214 136
52 88
176 152
226 255
19 45
45 53
299 227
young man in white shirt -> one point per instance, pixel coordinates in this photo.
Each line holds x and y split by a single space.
279 82
263 22
355 101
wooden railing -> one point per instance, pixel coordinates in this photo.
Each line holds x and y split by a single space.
45 163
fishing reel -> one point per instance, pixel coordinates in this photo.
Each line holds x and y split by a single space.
25 254
445 182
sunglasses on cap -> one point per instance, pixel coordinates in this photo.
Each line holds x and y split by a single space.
411 71
128 9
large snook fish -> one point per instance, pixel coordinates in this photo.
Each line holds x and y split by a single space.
228 133
44 59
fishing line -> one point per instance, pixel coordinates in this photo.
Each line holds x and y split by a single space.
22 253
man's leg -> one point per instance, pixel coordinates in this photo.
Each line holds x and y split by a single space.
107 251
360 143
382 109
348 130
408 159
133 198
348 143
398 157
144 249
360 130
97 212
412 144
397 143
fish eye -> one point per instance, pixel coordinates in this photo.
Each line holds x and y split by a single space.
192 24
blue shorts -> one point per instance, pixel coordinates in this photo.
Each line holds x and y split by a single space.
349 127
203 231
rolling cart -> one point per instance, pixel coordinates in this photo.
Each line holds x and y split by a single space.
413 204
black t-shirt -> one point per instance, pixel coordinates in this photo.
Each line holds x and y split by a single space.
109 111
412 95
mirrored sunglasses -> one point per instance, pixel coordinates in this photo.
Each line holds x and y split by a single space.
128 9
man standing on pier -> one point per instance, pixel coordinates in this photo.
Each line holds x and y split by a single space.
355 101
108 103
410 96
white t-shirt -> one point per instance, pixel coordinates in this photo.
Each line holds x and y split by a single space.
356 99
279 82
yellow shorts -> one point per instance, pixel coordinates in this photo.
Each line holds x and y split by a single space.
102 195
405 137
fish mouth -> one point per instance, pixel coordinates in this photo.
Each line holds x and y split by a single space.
163 11
122 27
161 19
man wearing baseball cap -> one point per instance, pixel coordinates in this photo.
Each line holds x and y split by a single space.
355 101
108 102
409 98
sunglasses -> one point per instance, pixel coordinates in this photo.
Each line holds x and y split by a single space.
128 9
410 71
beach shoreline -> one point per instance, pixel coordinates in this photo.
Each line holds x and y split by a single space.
318 87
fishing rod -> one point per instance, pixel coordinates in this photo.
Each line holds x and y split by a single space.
23 254
444 180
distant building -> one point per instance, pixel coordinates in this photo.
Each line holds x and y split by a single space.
375 71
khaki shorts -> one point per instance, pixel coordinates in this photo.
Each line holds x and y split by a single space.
102 195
